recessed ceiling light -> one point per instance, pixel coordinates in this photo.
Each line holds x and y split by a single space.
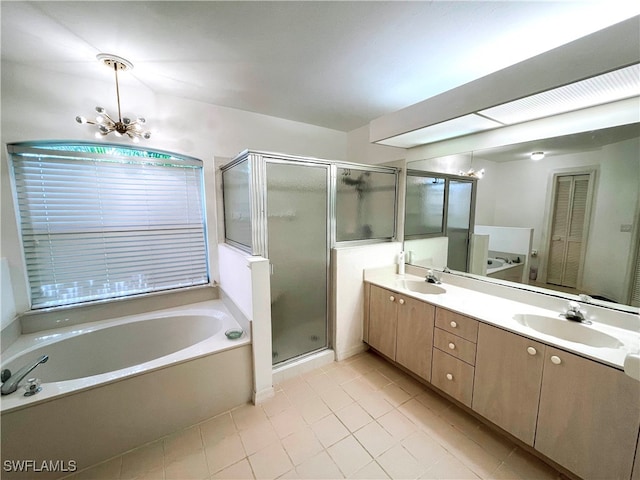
537 155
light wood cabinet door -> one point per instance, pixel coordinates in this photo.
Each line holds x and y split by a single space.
383 319
507 381
589 416
636 465
415 336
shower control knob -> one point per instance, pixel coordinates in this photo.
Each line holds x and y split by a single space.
401 301
392 298
32 387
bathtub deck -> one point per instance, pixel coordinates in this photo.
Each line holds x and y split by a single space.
360 418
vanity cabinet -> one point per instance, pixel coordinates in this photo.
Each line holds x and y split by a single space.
383 320
581 414
454 354
401 328
507 381
589 416
636 465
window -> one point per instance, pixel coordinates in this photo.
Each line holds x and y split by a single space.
101 222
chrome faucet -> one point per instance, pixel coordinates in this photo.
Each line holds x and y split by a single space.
12 380
506 260
431 277
574 313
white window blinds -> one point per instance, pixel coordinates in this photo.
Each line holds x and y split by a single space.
108 222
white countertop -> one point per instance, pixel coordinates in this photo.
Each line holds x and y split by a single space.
501 313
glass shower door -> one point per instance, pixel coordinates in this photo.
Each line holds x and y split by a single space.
298 250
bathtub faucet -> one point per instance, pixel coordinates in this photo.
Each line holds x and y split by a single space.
11 383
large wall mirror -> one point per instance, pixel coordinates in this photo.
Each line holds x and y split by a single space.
567 222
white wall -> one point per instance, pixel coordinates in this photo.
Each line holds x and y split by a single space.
360 150
348 265
39 104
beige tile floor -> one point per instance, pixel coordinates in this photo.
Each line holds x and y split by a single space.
361 418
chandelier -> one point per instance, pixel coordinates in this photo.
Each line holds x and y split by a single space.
122 125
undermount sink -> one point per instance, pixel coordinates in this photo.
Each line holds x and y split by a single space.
568 330
420 286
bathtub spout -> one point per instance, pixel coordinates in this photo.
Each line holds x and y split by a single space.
11 384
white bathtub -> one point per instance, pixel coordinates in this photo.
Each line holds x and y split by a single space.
133 378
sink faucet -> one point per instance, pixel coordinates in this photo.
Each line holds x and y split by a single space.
11 384
574 313
431 277
506 260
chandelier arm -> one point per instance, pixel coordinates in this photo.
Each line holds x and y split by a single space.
106 115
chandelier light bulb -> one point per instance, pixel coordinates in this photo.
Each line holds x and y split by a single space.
100 110
80 119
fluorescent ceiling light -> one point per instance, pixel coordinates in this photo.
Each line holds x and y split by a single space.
471 123
599 90
606 88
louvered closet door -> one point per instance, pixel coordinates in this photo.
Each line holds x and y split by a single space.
567 230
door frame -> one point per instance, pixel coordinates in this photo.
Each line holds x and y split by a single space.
593 172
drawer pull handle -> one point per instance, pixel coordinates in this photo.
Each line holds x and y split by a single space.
449 376
452 345
531 351
453 324
401 301
392 298
556 360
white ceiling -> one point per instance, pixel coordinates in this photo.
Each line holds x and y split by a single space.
333 64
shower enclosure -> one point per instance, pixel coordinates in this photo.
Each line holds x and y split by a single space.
293 210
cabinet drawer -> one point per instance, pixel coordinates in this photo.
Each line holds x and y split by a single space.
457 324
455 346
452 376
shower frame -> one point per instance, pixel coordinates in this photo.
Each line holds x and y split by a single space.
257 172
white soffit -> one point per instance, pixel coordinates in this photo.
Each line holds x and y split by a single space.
606 88
456 127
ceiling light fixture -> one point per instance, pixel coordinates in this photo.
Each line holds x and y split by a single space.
121 126
537 155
